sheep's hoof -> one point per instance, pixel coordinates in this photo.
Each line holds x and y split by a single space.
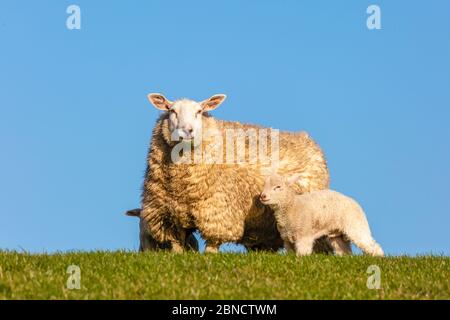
211 249
177 248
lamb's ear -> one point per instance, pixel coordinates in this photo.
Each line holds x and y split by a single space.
159 101
213 102
133 213
293 179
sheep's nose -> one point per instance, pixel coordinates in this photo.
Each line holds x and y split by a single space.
263 196
188 129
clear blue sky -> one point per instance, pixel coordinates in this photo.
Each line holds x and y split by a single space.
75 122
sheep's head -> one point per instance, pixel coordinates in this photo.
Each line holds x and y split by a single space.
185 116
277 189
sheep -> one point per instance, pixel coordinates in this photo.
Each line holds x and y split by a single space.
303 218
218 199
147 242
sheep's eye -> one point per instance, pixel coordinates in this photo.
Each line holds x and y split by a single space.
277 187
199 112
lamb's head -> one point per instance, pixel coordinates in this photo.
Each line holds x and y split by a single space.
277 189
185 116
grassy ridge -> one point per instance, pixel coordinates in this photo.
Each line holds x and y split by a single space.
126 275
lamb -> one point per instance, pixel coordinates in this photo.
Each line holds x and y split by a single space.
303 218
147 242
219 199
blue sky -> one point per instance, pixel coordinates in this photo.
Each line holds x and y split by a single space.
75 122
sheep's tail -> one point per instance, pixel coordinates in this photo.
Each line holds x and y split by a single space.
133 213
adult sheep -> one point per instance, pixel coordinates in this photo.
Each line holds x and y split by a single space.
219 198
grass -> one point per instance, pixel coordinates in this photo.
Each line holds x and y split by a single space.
161 275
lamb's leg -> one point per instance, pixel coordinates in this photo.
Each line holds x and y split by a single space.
304 246
341 246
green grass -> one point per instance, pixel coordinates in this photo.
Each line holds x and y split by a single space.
159 275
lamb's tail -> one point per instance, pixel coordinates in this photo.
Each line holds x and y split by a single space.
372 247
366 243
376 250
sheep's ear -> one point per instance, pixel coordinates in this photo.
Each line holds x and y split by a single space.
133 213
293 179
213 102
159 101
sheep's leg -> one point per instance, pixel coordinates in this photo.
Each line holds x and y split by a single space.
191 242
304 246
218 223
146 242
341 246
365 242
289 247
160 230
211 247
323 245
177 247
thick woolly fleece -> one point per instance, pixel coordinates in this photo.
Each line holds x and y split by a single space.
221 200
